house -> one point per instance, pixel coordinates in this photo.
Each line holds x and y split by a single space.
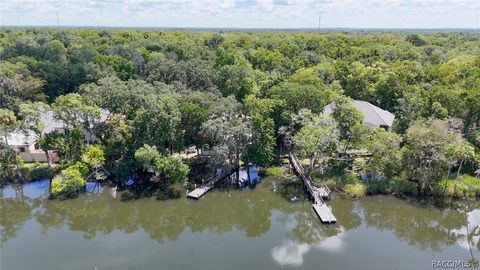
374 117
24 142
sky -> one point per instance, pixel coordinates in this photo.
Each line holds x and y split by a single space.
244 13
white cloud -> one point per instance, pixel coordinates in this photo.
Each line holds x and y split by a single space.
291 253
473 218
246 13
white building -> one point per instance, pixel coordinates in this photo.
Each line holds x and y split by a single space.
374 117
24 142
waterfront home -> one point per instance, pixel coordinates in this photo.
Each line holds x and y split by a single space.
374 116
24 142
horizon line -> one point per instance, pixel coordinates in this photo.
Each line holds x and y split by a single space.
453 29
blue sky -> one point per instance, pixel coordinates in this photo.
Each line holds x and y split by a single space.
245 13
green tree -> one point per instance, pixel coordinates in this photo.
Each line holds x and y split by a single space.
231 133
8 123
8 157
264 59
431 148
236 80
317 140
115 134
75 112
157 122
193 116
94 156
300 96
349 120
70 181
146 156
415 39
117 96
167 169
173 169
124 68
261 151
24 86
385 158
409 109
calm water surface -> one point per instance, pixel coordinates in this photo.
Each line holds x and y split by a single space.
256 228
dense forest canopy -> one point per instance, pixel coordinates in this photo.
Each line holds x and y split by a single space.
247 94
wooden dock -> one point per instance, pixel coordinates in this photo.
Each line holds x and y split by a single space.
324 213
210 184
317 193
199 192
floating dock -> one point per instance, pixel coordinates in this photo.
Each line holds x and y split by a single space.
317 193
324 213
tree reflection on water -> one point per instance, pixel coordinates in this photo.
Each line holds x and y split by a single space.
251 212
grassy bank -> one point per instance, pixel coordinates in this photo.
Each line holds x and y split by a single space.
351 185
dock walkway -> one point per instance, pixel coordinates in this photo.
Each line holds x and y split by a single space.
210 184
317 193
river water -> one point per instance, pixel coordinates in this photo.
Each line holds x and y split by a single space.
259 228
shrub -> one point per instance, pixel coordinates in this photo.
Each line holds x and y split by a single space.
127 195
94 156
335 179
357 190
472 184
379 186
69 182
175 191
467 186
275 171
403 187
80 167
349 178
36 171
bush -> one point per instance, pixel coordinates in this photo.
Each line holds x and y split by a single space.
472 184
69 182
349 178
94 156
467 186
357 190
335 179
80 167
448 188
36 171
379 186
175 191
404 187
127 195
275 171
